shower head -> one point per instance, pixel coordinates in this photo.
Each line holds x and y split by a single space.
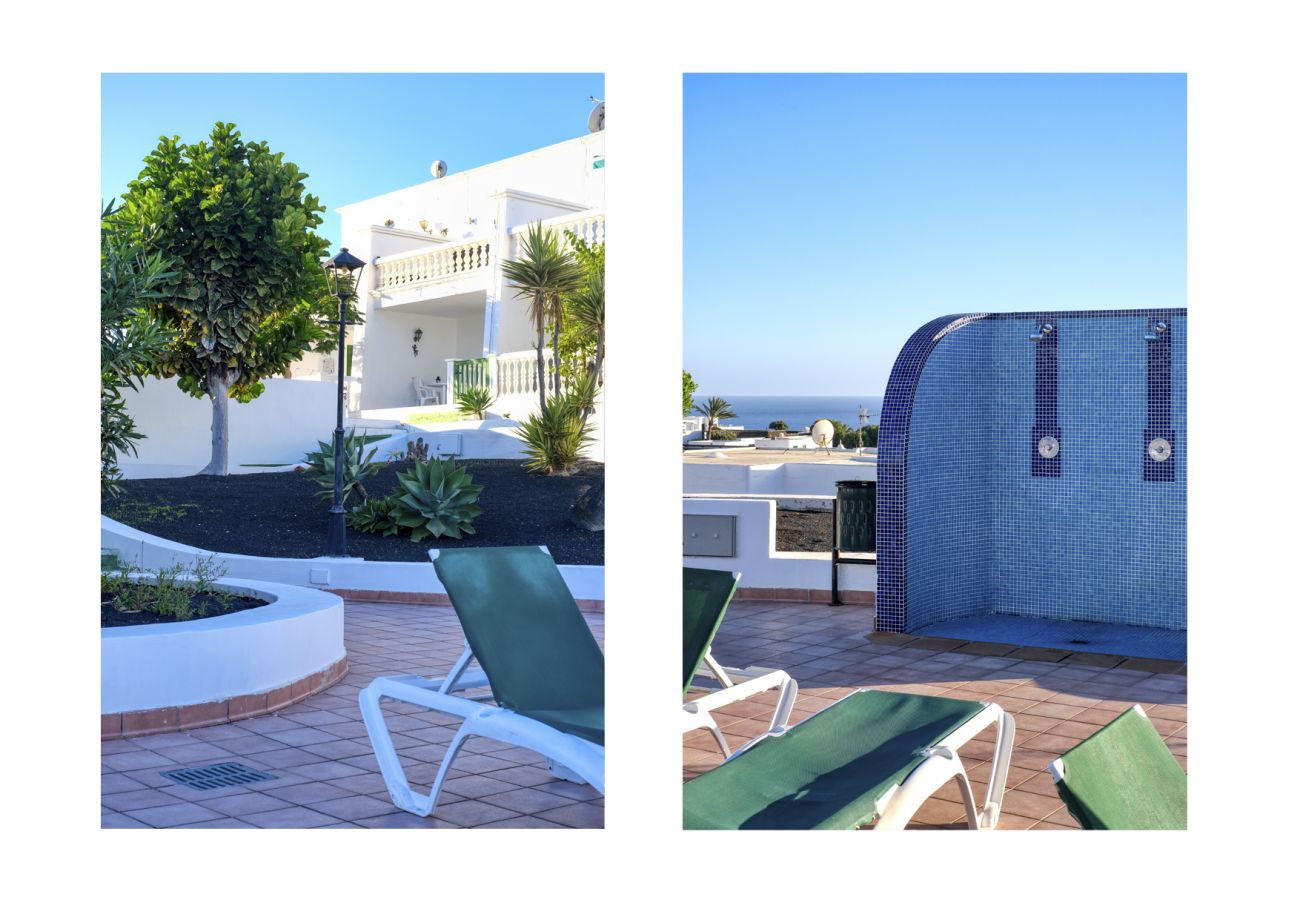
1158 329
1043 331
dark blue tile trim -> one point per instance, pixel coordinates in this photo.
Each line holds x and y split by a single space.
1045 393
1159 389
891 466
891 469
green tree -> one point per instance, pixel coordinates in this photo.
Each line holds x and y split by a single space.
130 340
544 273
232 219
714 410
582 347
689 387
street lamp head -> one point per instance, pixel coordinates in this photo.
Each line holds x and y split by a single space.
344 263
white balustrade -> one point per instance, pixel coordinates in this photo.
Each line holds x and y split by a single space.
420 266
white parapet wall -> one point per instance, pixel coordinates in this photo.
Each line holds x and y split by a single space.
757 560
151 552
772 479
278 427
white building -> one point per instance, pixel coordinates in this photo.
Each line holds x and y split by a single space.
437 306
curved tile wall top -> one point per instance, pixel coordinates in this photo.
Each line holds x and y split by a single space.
973 519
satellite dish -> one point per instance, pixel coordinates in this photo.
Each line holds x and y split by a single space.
438 168
596 121
822 433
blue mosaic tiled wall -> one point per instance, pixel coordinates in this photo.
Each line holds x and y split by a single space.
973 519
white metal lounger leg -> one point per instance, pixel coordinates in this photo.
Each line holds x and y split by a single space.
943 764
583 758
699 711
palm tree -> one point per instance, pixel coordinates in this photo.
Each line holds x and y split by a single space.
543 273
714 410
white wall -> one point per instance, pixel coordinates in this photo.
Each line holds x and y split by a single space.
389 363
278 427
776 478
151 552
757 559
562 171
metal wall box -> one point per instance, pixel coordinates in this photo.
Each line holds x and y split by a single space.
708 536
444 444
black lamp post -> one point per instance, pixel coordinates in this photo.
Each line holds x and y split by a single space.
343 263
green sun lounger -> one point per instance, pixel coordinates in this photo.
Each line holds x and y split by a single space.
874 755
706 594
536 653
1123 778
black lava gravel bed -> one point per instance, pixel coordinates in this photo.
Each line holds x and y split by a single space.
803 530
206 606
279 514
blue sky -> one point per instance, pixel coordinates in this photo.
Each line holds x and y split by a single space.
395 127
829 216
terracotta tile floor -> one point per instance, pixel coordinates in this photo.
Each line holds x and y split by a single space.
1055 705
326 774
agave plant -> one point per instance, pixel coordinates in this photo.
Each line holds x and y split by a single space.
375 516
356 468
436 499
474 401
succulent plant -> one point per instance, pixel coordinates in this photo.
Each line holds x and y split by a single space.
436 499
375 516
356 468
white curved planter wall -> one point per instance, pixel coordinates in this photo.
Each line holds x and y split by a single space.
152 552
177 664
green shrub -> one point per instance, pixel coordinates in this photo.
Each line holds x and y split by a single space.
850 439
436 499
474 401
375 516
778 425
356 468
555 438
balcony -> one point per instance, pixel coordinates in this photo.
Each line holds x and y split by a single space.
462 270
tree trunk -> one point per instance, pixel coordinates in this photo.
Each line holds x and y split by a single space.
541 370
555 357
600 360
218 385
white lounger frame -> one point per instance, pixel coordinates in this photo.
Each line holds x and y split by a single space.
570 757
942 764
737 685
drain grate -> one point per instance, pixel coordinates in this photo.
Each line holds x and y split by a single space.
219 775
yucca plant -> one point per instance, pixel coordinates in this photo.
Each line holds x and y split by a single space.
436 499
356 468
544 272
555 438
474 401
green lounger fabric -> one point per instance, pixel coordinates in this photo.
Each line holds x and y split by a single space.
705 596
828 771
528 635
1125 778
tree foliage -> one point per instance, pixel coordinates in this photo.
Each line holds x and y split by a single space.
130 340
234 222
689 387
714 410
582 343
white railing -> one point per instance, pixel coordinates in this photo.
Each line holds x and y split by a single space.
420 266
516 373
588 225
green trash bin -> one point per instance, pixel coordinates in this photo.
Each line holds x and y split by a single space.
854 527
855 516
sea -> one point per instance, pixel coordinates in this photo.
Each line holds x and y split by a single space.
756 411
